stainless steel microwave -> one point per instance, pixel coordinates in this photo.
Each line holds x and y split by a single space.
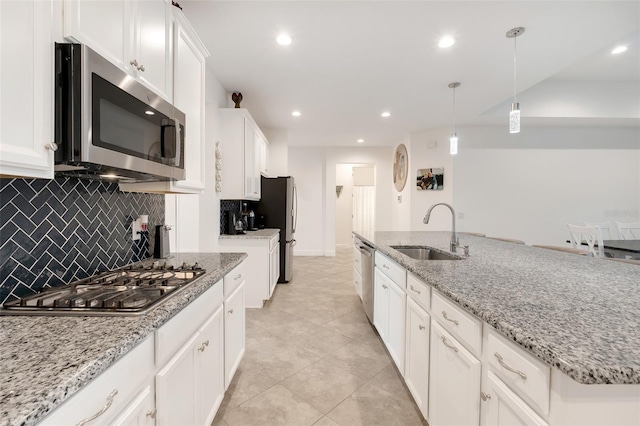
108 125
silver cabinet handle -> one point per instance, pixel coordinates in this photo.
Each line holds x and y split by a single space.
203 346
141 68
230 311
447 344
485 396
413 288
506 367
134 63
384 286
152 414
237 277
52 146
384 265
444 314
421 327
103 410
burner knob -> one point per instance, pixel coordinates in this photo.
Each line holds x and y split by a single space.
155 265
184 265
164 265
196 266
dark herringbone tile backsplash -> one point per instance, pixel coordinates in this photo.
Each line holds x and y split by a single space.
55 231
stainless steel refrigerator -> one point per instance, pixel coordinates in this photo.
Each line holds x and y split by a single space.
278 205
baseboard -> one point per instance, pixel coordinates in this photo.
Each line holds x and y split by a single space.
330 253
344 245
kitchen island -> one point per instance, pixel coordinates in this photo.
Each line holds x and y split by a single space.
578 315
48 359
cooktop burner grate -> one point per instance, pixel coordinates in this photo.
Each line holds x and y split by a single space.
132 290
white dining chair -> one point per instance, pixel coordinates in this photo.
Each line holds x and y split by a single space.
591 235
607 229
629 230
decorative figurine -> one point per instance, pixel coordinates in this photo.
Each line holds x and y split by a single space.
237 98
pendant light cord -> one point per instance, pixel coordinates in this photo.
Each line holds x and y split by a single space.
454 110
514 70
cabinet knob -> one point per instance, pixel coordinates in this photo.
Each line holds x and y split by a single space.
52 146
230 311
384 286
421 327
141 68
152 414
134 63
485 396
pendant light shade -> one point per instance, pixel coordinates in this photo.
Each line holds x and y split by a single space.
514 115
453 140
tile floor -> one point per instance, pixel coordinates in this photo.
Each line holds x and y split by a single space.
312 358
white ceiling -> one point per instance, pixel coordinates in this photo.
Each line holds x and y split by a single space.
351 60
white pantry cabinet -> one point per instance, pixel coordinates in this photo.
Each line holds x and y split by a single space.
26 83
188 94
454 381
134 35
242 142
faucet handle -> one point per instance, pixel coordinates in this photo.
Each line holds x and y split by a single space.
466 250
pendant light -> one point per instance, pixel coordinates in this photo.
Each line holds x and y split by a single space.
453 140
514 115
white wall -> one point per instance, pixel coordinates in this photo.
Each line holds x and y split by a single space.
306 165
278 151
529 187
431 149
344 204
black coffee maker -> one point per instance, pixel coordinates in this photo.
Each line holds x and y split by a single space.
235 225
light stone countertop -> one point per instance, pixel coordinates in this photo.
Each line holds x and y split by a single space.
46 359
578 314
263 234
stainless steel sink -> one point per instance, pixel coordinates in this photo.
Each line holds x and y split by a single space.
425 253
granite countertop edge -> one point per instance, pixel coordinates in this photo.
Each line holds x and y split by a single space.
260 234
584 372
29 409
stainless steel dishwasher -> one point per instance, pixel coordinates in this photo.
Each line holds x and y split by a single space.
367 265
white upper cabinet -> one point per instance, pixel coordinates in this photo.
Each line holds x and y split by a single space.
188 95
134 35
242 142
26 84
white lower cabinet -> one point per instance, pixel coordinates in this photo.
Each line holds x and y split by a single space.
234 336
390 304
502 407
454 382
416 366
141 411
262 267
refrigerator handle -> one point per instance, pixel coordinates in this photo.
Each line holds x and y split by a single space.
294 213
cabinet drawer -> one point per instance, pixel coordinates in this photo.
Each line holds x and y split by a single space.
391 269
464 326
175 333
357 261
419 291
115 388
233 279
524 374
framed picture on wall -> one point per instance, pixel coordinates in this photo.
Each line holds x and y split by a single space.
431 178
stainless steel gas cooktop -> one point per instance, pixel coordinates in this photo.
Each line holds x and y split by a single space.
132 290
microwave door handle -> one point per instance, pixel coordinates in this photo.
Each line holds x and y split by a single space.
178 141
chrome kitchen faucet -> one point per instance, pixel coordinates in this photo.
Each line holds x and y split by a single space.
454 238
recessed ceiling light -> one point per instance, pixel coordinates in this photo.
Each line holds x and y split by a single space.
619 49
360 140
386 114
446 41
284 39
296 113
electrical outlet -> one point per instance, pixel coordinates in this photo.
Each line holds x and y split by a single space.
399 198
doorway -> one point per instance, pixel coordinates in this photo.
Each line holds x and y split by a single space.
355 201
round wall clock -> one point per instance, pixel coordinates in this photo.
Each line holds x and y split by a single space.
400 167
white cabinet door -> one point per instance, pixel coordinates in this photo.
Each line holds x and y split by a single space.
501 407
210 367
454 382
106 26
234 338
26 84
274 267
397 317
416 367
141 411
381 304
153 42
176 393
250 190
189 98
